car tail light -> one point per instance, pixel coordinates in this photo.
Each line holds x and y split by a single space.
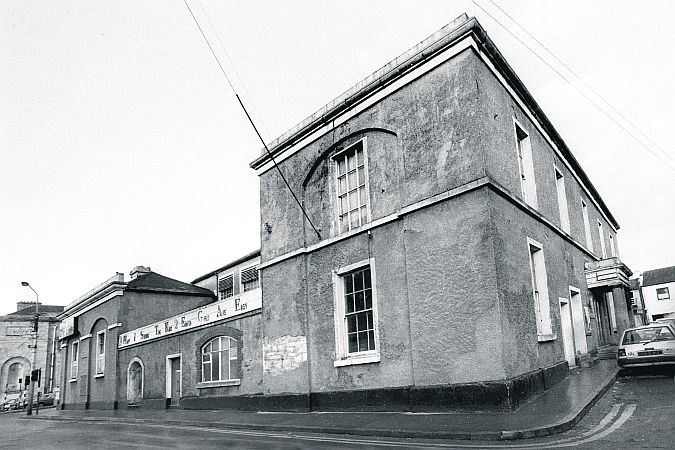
622 352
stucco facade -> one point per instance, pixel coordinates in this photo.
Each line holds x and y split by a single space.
446 233
92 324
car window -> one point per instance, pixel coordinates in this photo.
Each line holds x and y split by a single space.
642 335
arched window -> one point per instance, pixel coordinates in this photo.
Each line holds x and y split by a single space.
219 358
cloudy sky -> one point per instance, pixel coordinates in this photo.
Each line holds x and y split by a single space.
121 143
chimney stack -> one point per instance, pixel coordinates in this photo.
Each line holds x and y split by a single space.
138 271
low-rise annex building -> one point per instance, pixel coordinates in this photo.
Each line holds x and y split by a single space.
452 253
95 325
204 357
17 336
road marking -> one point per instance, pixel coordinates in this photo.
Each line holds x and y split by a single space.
594 434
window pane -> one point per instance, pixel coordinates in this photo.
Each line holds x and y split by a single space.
354 218
206 372
359 156
353 344
369 316
349 302
362 176
206 358
344 206
351 161
215 375
344 224
351 180
359 304
366 277
364 215
358 281
369 299
225 365
351 323
342 185
349 284
341 166
363 341
371 340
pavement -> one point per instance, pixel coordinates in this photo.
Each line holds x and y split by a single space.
553 411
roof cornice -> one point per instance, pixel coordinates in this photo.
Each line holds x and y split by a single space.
103 290
439 42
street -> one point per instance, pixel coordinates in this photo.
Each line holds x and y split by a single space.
638 411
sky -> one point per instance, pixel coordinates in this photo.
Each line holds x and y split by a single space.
122 144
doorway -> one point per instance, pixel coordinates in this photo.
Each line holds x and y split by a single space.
567 333
173 380
578 322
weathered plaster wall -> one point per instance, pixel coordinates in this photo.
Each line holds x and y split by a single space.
284 315
502 163
454 309
143 308
564 268
247 332
386 248
424 139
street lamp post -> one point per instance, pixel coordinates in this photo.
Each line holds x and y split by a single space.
31 391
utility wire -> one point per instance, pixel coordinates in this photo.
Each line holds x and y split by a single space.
588 86
251 120
236 73
590 100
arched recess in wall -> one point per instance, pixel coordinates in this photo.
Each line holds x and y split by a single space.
13 370
319 194
98 347
135 381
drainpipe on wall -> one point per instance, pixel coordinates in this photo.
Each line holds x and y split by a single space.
51 364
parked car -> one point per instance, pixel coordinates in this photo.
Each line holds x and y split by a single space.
14 403
46 399
648 345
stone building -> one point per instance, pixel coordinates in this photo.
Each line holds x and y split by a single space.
457 256
16 340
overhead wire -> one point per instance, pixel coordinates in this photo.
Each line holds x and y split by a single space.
589 99
248 116
588 86
259 117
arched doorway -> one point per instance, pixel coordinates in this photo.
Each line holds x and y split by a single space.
135 382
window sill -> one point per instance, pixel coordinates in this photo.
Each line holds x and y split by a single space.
72 380
98 375
356 359
546 337
212 384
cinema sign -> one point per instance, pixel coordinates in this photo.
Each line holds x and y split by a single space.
211 313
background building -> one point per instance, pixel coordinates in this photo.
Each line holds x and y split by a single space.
658 291
16 341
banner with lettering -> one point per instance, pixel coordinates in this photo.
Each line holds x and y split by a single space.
214 312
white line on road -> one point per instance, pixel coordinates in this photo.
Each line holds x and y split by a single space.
594 434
